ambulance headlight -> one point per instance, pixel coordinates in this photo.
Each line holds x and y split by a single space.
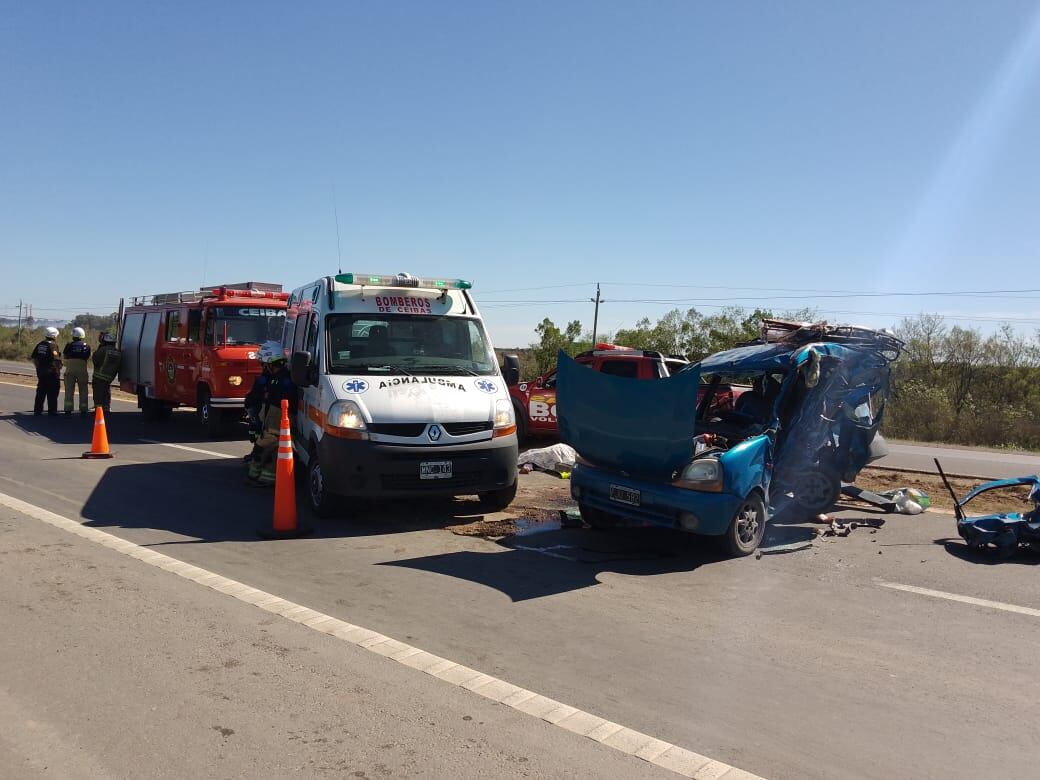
347 415
234 381
504 413
701 474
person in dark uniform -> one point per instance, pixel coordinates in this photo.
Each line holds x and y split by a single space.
47 359
107 362
264 405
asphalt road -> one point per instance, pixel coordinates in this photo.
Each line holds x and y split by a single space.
789 666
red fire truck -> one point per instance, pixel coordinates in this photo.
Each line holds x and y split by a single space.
198 348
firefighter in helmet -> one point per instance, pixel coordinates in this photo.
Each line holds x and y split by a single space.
47 359
264 405
107 361
76 354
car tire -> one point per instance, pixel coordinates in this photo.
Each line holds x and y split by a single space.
323 503
498 500
815 490
747 528
597 518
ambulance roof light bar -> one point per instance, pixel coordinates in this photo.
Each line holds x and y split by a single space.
403 280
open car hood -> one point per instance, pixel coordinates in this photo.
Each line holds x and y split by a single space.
641 427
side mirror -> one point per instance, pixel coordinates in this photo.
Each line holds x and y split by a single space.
300 369
511 370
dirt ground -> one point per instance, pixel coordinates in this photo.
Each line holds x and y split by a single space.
1004 500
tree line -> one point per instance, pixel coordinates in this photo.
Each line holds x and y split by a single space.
952 384
16 343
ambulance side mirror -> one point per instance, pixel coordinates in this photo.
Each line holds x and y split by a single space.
511 370
300 369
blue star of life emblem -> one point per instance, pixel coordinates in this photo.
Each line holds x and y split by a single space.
486 385
355 385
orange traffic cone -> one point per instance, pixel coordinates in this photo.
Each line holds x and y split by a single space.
285 524
99 444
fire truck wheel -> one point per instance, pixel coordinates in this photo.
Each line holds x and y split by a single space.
214 421
323 503
153 409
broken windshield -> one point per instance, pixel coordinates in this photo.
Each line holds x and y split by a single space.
407 344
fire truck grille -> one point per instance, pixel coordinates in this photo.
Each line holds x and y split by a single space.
413 482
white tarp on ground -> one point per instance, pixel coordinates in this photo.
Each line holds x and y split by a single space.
558 457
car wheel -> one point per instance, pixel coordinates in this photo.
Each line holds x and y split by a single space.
816 490
747 528
323 503
498 500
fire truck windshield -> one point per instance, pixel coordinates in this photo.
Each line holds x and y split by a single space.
407 344
243 325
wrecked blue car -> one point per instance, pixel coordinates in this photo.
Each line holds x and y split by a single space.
1006 531
803 407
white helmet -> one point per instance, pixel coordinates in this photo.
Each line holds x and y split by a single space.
78 333
271 352
51 333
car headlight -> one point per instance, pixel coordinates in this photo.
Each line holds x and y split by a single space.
701 474
234 381
346 415
505 422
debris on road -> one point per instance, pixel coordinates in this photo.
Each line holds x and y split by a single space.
905 500
1006 531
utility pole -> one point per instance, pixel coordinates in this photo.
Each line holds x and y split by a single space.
595 317
19 315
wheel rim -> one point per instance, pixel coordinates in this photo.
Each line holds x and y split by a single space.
204 410
317 484
814 489
748 523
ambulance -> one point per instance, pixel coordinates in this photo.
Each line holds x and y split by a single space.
400 392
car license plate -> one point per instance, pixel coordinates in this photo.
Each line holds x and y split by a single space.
435 469
624 495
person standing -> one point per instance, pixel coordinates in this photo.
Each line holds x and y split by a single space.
47 359
107 361
76 354
264 403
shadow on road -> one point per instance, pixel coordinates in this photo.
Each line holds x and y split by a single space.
560 560
208 501
988 556
123 426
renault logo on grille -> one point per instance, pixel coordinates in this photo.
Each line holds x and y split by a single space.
435 432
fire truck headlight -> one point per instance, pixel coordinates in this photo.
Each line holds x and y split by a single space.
346 414
235 381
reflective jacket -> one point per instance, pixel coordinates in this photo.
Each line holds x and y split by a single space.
107 361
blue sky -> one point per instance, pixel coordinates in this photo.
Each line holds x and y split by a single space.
879 147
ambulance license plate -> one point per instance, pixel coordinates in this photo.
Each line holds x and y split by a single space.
624 495
435 469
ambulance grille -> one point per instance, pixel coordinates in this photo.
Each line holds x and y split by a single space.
398 429
466 428
413 482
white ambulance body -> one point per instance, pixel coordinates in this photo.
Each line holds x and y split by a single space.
400 392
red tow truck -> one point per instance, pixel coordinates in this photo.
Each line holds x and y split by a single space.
198 348
535 402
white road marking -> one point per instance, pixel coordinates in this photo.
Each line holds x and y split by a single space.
189 449
643 746
941 594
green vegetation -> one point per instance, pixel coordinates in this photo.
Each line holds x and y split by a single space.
16 344
952 384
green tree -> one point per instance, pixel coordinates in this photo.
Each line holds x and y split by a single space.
551 341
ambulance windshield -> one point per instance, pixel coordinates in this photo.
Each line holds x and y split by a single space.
407 344
230 326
